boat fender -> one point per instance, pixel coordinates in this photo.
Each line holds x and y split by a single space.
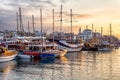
1 50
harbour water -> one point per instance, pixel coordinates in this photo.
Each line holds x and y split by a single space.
85 65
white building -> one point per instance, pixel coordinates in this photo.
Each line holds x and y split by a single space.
97 35
87 34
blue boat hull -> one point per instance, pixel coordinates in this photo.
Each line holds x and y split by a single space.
47 55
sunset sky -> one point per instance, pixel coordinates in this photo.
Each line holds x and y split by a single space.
86 12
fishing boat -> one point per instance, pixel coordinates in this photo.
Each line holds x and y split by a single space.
105 46
35 49
7 55
45 49
90 47
55 51
70 47
67 41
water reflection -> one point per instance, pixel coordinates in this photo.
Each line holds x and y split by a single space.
6 70
85 65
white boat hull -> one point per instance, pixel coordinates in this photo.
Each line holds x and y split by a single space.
62 44
70 49
105 49
7 58
25 56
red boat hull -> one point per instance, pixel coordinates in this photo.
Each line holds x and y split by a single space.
35 54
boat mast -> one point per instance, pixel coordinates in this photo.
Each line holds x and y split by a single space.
17 21
53 28
21 24
71 22
61 21
41 25
86 26
101 30
41 20
92 27
28 28
80 30
101 35
33 24
110 33
95 37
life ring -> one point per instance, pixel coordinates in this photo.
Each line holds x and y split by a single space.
1 50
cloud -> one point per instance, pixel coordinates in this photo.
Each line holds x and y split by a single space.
84 9
29 3
38 3
83 15
64 1
79 15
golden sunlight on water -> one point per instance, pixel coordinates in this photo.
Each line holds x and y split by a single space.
74 66
7 70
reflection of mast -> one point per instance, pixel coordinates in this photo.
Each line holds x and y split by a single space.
101 63
110 67
71 67
6 69
94 61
